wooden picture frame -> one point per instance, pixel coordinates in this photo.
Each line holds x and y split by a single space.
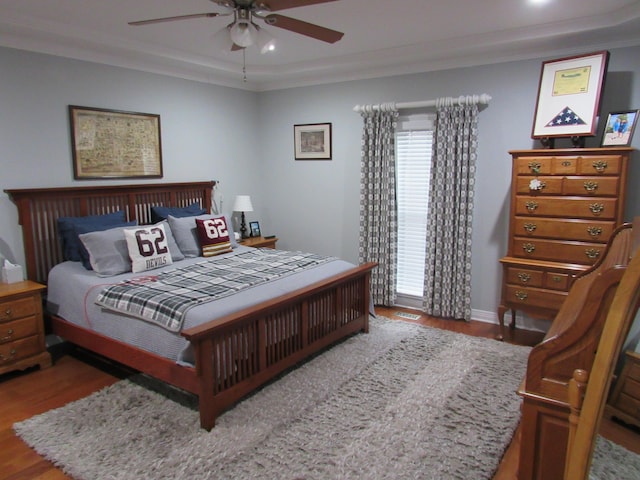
254 229
618 131
114 144
569 94
312 141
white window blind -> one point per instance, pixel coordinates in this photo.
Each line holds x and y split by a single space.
413 170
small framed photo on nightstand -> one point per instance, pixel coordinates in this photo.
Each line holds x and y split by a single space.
254 228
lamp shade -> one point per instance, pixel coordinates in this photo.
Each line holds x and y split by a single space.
243 33
242 204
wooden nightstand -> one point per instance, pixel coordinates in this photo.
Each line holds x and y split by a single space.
260 242
624 403
22 342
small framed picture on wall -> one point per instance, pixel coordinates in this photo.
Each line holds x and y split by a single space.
254 228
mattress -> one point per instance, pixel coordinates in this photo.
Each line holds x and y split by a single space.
72 291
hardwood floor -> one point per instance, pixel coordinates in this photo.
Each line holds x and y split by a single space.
76 374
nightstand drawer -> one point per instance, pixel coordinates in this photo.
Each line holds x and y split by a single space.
631 387
629 405
26 347
24 327
18 308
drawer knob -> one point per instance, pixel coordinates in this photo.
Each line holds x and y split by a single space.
8 336
522 296
600 165
566 163
535 167
12 354
529 247
556 279
595 232
596 208
591 187
531 206
592 253
7 312
524 277
530 227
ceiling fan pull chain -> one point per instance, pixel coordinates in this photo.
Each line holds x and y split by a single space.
244 65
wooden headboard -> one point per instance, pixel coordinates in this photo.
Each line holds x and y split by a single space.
39 208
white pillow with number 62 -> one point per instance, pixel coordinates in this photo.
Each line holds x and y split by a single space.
148 248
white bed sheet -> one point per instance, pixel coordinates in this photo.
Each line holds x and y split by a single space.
72 291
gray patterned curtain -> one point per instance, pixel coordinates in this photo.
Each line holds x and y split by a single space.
378 213
447 288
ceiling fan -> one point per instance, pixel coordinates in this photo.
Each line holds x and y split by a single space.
243 30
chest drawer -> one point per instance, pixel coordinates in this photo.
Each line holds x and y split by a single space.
563 229
525 277
535 297
18 308
576 186
557 251
10 331
589 208
600 165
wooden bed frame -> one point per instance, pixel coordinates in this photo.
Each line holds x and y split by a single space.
234 354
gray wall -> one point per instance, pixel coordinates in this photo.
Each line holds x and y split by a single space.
245 140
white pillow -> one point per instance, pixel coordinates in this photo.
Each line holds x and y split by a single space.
148 248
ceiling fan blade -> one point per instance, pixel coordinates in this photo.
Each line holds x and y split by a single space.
275 5
171 19
304 28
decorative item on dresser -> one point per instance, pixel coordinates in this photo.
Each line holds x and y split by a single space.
21 327
565 204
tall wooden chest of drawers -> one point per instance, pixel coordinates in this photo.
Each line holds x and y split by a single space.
565 203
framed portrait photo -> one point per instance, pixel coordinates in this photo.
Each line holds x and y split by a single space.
254 229
312 141
618 131
569 96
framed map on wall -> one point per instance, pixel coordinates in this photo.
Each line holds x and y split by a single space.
114 144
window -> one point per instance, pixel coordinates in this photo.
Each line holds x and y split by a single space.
413 172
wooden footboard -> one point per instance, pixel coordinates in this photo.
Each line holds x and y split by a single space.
239 352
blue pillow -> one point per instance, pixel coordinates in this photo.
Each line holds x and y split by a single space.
159 213
71 245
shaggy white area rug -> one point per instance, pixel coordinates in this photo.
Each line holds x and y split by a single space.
403 401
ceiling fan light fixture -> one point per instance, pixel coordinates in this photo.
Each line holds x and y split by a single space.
243 33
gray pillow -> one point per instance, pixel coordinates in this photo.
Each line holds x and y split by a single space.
108 252
186 235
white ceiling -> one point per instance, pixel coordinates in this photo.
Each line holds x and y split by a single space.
382 37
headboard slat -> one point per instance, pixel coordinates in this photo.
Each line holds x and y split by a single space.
39 209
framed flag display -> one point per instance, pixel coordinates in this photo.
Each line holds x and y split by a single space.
569 96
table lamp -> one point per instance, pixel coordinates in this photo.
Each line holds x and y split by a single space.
243 204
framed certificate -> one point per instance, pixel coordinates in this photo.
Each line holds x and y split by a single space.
569 96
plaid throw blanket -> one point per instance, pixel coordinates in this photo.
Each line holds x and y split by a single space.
165 298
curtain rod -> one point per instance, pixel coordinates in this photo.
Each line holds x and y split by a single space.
442 101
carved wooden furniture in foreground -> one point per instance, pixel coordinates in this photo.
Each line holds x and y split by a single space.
569 344
261 341
587 413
